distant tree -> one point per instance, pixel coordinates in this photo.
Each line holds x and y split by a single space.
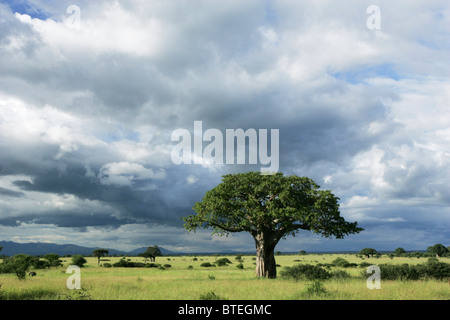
152 252
368 252
1 248
78 260
399 252
18 264
99 253
416 254
53 259
438 249
302 252
38 263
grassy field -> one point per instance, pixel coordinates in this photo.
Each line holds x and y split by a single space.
182 282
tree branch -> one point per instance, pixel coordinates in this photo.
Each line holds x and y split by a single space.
229 229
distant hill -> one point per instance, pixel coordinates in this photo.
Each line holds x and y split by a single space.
37 248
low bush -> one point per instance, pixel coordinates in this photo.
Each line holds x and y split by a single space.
430 270
340 274
122 263
18 264
152 265
435 270
211 296
206 265
397 272
78 260
365 264
223 262
305 272
315 289
340 262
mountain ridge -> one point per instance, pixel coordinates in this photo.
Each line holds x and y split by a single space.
11 248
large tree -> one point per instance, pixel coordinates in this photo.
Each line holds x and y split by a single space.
270 208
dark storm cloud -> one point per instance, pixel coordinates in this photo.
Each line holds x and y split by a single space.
87 114
11 193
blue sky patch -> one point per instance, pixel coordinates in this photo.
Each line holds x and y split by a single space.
361 74
23 7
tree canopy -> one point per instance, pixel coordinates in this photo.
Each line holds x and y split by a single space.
438 250
270 208
399 252
368 252
99 253
151 253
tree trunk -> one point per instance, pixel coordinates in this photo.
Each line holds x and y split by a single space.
265 259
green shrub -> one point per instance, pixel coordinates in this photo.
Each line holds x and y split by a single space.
340 262
18 264
107 265
78 260
430 270
316 289
210 296
206 265
240 266
305 271
365 264
223 262
167 265
435 269
130 264
340 274
37 263
152 265
398 272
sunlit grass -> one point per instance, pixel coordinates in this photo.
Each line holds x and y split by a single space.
179 282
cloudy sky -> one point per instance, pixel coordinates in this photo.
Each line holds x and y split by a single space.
91 91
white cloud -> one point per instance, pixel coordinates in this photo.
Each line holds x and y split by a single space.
110 28
125 173
191 179
364 111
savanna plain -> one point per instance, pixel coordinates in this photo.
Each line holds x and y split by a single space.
184 278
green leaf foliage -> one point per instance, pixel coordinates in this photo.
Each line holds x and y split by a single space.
252 202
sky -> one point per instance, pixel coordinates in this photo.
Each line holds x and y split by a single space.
91 91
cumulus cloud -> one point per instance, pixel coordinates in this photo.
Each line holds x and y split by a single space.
87 112
124 173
